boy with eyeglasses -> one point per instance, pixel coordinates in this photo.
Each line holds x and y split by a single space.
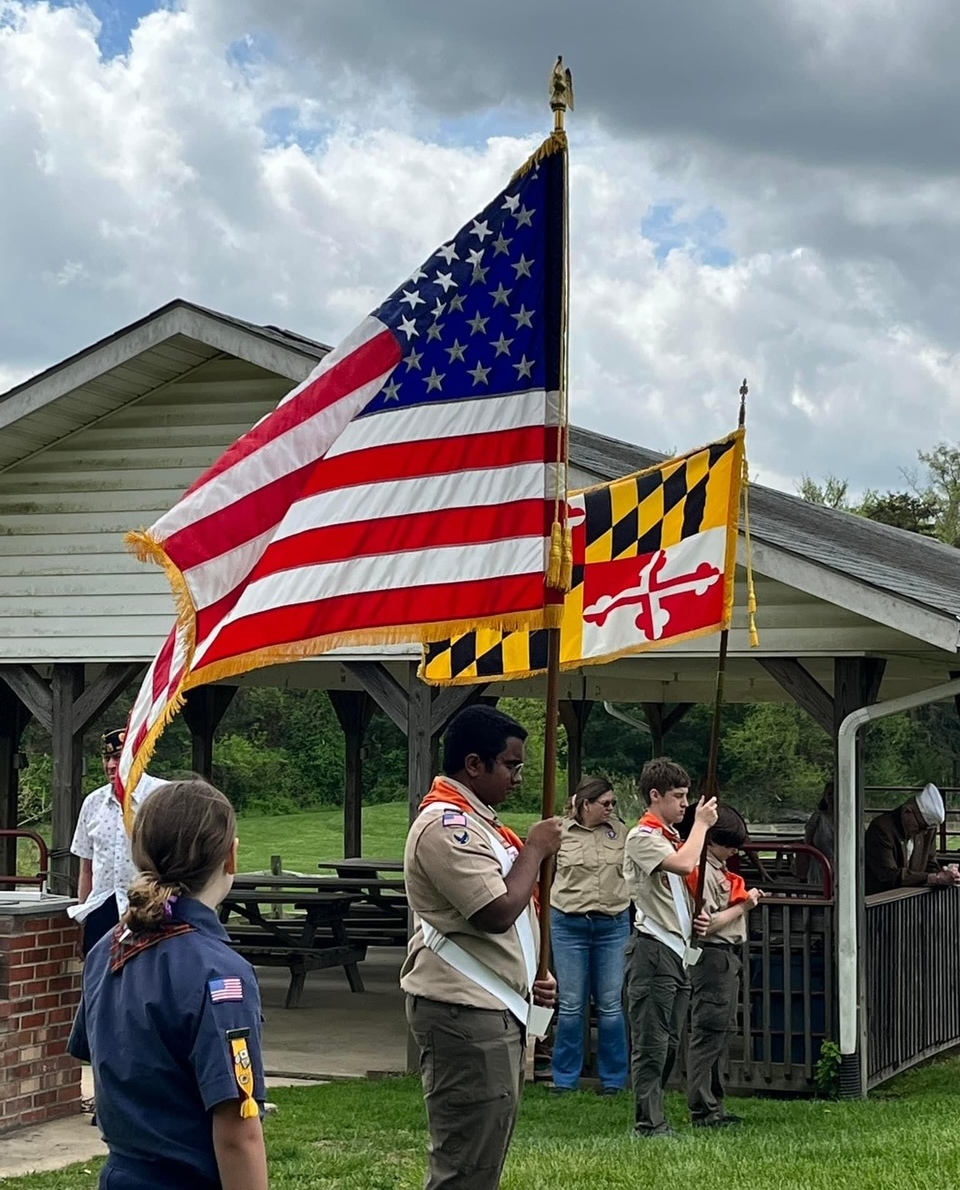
715 979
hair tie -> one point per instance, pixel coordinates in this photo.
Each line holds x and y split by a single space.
168 905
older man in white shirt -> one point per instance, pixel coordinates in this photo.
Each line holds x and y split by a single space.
103 847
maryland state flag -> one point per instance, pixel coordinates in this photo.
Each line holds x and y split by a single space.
653 564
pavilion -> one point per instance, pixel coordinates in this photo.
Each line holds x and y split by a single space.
851 613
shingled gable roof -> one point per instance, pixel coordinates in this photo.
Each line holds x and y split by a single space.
913 568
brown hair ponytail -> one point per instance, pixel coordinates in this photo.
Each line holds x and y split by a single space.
182 835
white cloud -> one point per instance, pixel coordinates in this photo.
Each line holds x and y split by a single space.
235 174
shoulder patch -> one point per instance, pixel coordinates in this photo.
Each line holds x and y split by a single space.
611 833
453 818
462 837
228 988
646 830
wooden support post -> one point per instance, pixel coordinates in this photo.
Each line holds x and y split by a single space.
353 709
654 716
203 710
574 714
13 719
66 686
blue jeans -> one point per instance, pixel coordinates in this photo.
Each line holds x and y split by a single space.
588 961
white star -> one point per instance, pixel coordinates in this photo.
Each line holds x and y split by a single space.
480 374
525 367
434 331
439 308
523 317
522 266
456 302
448 252
413 297
524 217
501 246
413 359
479 275
456 351
475 257
480 230
392 391
447 282
419 275
409 328
510 203
435 380
477 324
500 295
502 344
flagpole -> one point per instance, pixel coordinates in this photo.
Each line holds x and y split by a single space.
561 97
711 787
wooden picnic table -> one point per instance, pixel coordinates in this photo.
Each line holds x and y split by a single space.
292 941
360 864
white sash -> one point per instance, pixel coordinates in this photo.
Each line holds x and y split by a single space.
680 946
464 962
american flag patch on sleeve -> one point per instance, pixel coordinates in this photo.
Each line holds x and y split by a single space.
230 988
454 818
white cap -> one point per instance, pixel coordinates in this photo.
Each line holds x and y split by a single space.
930 804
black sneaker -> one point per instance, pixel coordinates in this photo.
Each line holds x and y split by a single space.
720 1122
663 1132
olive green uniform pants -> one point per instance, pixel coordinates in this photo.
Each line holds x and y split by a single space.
715 982
657 997
472 1067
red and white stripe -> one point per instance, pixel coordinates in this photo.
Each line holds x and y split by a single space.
318 524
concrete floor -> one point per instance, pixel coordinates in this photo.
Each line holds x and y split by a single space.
335 1033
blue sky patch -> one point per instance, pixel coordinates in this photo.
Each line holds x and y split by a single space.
118 19
700 234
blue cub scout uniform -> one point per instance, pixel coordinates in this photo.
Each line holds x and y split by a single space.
171 1034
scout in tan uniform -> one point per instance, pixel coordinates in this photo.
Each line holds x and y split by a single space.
470 972
589 928
656 861
715 979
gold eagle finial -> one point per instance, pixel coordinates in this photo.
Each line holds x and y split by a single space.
561 87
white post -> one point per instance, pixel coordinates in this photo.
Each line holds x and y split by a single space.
850 878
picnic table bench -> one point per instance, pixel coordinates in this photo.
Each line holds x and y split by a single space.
380 917
315 939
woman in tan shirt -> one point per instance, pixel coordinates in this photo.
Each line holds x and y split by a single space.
589 923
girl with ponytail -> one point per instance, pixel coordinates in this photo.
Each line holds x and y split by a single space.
170 1014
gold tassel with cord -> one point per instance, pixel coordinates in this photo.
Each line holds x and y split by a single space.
555 558
748 543
566 568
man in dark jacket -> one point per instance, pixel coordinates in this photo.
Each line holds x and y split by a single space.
900 846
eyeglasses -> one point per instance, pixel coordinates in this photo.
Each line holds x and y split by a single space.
612 805
515 767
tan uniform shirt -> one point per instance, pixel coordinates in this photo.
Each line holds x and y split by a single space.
646 849
589 876
451 873
716 898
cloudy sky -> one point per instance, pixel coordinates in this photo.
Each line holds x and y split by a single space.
759 188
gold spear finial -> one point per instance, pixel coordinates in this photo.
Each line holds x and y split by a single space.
561 92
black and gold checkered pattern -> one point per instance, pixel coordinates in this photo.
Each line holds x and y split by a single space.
637 515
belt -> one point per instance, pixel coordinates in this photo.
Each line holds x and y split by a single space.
719 943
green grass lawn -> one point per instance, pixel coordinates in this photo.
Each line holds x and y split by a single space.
302 839
371 1136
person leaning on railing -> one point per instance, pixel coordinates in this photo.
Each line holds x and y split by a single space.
590 925
900 846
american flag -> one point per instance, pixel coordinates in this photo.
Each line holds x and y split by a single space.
403 492
228 988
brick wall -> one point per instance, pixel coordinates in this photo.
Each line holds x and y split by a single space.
39 992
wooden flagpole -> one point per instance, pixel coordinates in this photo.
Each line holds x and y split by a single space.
561 98
711 787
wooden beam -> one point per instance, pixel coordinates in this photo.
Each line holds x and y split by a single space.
449 701
98 696
803 688
677 712
13 719
353 709
654 714
202 712
32 691
574 714
66 686
419 741
383 688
